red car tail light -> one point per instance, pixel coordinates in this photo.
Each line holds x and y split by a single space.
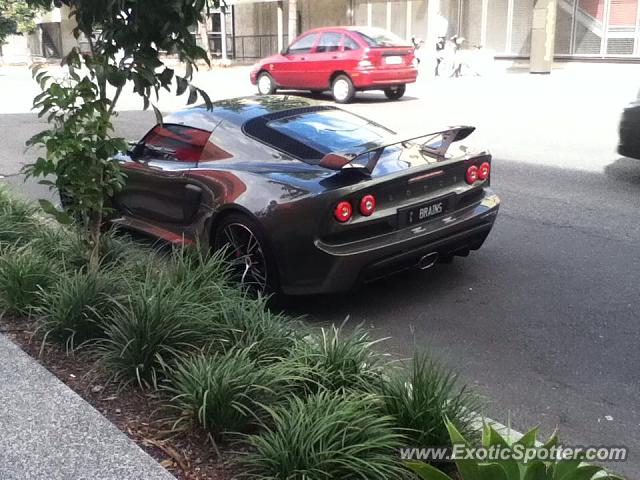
484 171
472 174
343 211
367 205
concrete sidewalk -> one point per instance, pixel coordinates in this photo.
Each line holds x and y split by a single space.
48 432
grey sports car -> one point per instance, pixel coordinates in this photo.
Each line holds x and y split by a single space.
305 197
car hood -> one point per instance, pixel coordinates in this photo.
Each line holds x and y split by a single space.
271 59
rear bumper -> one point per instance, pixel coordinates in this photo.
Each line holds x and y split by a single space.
366 260
378 78
629 145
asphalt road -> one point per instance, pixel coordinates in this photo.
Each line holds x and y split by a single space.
543 320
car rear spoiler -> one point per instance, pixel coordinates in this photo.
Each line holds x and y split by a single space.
373 151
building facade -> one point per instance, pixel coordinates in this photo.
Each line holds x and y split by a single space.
584 28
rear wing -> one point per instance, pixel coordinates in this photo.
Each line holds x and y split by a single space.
367 156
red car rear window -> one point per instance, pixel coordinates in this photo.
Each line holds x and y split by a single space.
186 143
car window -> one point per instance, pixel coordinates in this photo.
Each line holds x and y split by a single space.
350 43
175 142
304 44
329 131
329 42
378 37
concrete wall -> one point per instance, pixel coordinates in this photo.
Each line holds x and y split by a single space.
16 50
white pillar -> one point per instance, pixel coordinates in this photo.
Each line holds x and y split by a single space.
543 31
369 14
223 32
280 15
433 22
409 18
293 20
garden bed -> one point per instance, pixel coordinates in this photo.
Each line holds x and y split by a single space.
201 374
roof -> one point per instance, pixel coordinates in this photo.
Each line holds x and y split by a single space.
237 110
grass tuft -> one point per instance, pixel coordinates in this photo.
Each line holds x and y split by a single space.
23 274
74 310
247 323
327 436
18 222
339 361
157 324
422 399
220 394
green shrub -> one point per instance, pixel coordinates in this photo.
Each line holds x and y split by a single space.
18 223
74 310
220 394
420 400
326 436
509 469
247 323
158 323
23 274
338 361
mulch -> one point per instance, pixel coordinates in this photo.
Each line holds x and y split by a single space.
135 412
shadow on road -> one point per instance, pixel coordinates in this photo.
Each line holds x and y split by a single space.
361 97
624 169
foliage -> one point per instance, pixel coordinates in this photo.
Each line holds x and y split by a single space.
18 222
220 394
422 399
23 273
15 17
325 436
337 361
156 325
247 322
74 309
126 39
553 469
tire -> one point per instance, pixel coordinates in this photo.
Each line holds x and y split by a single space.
342 89
266 84
395 93
251 261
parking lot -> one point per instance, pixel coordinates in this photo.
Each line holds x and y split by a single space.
544 319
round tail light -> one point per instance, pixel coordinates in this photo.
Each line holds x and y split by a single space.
484 171
472 174
367 205
343 211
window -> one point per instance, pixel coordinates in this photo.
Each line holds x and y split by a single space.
350 43
175 142
329 42
329 131
377 37
303 45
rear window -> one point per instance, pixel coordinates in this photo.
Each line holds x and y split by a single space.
378 37
175 142
329 131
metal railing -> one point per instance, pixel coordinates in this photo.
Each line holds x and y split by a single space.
254 47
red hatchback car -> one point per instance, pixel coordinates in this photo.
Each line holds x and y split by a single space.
343 60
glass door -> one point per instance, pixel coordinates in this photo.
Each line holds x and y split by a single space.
621 32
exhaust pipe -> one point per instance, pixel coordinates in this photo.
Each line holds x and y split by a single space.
428 261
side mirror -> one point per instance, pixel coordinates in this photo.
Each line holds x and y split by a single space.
284 51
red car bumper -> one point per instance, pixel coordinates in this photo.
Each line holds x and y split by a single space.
379 78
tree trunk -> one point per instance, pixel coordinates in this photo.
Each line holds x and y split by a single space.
93 237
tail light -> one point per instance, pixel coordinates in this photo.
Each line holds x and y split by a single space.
484 170
472 174
367 205
343 211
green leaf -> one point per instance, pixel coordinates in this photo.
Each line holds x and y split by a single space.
536 470
426 471
182 84
60 216
491 471
529 438
193 95
468 468
158 114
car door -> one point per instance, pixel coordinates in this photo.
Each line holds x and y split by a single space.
157 186
291 72
324 60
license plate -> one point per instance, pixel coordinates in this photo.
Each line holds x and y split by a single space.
424 212
393 60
